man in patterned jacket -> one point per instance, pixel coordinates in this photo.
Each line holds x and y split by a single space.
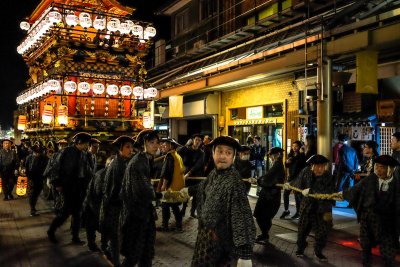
226 230
315 214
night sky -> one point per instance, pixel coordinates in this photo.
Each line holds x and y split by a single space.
14 72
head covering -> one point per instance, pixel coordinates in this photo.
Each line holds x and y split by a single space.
121 140
94 141
146 134
275 150
298 143
82 137
245 148
172 141
36 149
7 139
62 141
372 144
317 159
343 137
397 135
227 141
386 160
197 135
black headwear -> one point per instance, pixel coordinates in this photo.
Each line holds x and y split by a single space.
94 141
146 134
386 160
62 141
121 140
227 141
172 141
245 148
397 135
81 137
7 139
36 149
317 159
275 150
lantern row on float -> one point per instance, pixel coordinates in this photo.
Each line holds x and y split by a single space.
84 87
51 17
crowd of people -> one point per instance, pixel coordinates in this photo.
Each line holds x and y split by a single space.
119 200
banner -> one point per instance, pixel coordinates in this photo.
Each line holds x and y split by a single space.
367 72
176 106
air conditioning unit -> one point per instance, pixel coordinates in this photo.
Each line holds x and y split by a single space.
199 44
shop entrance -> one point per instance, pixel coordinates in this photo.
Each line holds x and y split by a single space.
271 134
201 126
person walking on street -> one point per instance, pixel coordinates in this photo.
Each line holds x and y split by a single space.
71 182
315 214
226 230
111 203
376 200
8 166
193 160
137 219
171 180
269 198
295 163
35 165
348 164
244 166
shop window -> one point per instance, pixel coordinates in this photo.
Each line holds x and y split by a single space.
274 110
238 114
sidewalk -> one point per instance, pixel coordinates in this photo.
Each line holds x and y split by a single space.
23 242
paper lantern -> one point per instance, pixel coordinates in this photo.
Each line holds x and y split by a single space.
22 185
85 20
150 92
149 32
126 90
137 30
98 88
53 85
124 27
21 122
99 23
62 115
70 86
71 19
138 92
113 24
24 25
83 87
47 116
112 89
54 17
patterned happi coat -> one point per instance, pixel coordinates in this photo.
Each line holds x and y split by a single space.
226 229
137 220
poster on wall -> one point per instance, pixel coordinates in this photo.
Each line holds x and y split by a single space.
356 133
302 132
277 142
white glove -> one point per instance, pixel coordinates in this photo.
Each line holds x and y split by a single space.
244 263
286 186
48 183
305 192
184 192
252 180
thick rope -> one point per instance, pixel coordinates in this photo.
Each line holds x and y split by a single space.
334 196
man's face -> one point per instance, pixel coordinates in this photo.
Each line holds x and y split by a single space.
151 146
94 148
245 155
394 144
319 169
223 156
6 145
166 147
256 141
83 146
367 151
295 148
127 150
206 140
380 170
196 142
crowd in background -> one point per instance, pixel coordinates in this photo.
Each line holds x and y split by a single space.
116 197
